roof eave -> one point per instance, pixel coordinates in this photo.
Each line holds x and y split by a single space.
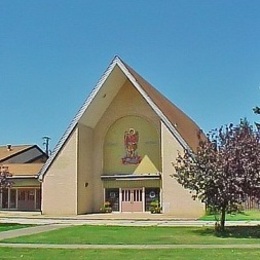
24 177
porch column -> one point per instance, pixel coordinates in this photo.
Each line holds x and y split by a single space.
8 198
120 199
143 198
35 199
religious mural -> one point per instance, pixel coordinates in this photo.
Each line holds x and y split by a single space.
131 138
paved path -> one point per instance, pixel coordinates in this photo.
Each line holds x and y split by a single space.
121 222
123 219
50 226
29 231
77 246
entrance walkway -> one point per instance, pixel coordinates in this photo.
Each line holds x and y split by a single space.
44 228
50 226
139 247
121 219
29 231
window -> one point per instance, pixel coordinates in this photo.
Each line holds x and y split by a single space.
151 194
12 198
5 199
112 195
138 195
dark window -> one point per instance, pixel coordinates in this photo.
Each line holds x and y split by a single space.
151 195
12 198
112 195
38 198
5 199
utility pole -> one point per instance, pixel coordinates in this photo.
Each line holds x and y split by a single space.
46 142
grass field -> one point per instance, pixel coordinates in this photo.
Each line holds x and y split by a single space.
129 254
11 226
246 215
120 235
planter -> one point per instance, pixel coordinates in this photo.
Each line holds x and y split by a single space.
106 208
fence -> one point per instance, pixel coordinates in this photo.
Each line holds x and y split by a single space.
251 203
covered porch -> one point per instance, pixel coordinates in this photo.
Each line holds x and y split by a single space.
131 193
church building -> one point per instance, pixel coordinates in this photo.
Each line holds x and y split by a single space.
119 150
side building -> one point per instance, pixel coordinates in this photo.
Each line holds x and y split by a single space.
119 149
24 163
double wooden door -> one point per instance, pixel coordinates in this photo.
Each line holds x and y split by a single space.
131 200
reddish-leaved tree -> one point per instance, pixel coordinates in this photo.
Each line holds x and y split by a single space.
5 181
225 170
257 111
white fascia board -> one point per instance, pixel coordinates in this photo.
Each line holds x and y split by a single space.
75 120
154 107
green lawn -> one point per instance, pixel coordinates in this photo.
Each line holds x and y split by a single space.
142 235
10 226
127 254
246 215
137 235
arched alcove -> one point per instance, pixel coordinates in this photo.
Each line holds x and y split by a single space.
128 141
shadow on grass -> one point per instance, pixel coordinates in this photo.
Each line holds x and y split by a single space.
11 226
232 232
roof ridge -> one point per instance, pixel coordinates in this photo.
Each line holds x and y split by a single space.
17 145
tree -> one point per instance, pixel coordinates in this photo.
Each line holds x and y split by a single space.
225 169
5 181
257 111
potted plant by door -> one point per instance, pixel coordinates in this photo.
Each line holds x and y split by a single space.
106 208
155 207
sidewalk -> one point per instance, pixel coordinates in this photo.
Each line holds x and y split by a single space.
138 247
119 219
29 231
92 216
49 227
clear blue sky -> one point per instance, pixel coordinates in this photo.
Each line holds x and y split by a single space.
203 55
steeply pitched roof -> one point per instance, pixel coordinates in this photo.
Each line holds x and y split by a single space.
181 126
7 153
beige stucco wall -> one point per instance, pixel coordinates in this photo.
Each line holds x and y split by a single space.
59 186
176 200
128 102
81 161
85 187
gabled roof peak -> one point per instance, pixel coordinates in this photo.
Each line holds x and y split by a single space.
180 125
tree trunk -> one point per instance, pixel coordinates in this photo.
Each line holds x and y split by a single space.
223 218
